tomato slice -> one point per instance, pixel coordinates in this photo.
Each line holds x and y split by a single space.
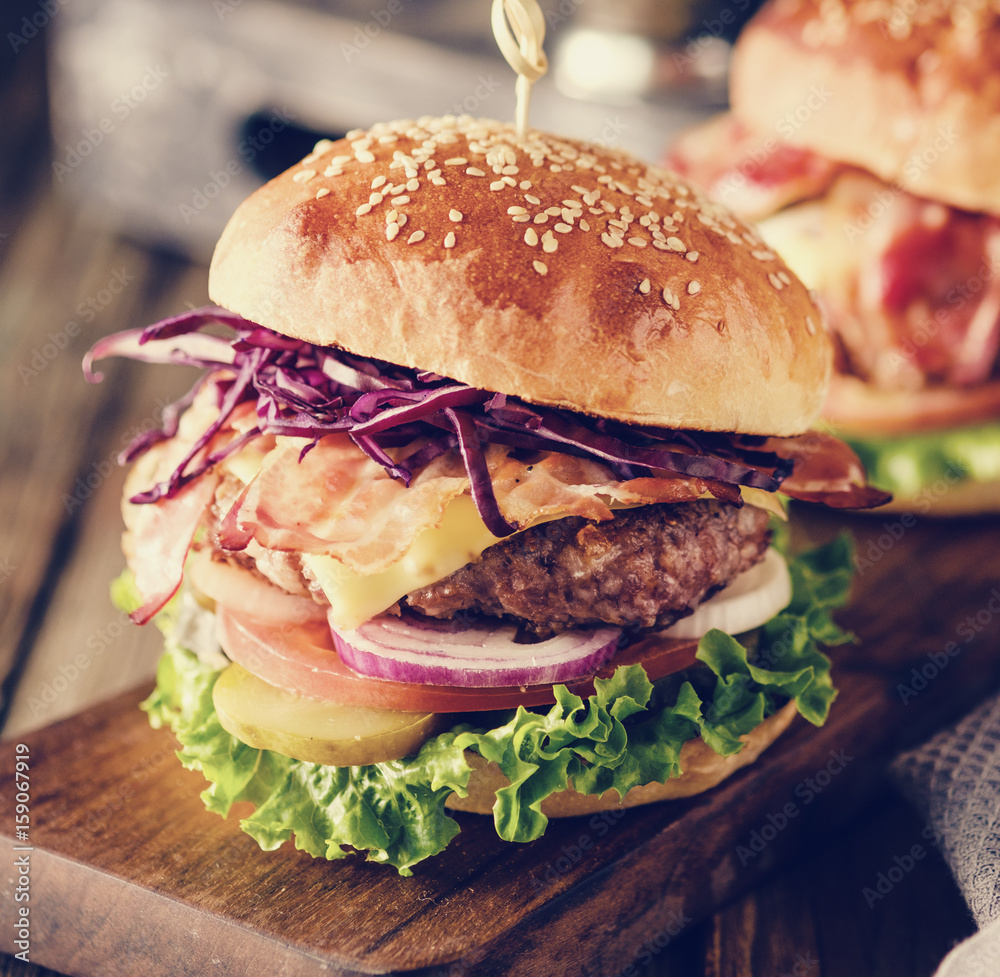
302 658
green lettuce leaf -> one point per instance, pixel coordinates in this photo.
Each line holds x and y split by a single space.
628 733
906 465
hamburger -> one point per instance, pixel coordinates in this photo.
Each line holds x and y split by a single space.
475 490
862 138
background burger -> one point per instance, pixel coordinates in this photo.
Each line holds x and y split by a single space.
472 489
863 139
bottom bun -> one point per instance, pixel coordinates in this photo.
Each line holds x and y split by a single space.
703 769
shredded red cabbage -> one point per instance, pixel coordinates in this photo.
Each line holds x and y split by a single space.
306 391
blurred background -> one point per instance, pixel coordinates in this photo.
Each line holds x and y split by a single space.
163 116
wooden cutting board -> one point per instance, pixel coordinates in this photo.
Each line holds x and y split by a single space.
129 874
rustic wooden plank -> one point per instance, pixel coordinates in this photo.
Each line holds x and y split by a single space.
114 802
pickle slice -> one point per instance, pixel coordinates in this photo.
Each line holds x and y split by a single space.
316 730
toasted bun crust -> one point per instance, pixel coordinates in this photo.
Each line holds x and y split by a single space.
703 769
563 273
909 91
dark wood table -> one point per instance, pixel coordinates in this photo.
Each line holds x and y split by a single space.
65 280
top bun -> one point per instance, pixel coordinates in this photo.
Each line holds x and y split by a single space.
909 91
560 272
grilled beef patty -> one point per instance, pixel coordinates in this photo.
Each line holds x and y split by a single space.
646 568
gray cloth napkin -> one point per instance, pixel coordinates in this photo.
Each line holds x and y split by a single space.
954 781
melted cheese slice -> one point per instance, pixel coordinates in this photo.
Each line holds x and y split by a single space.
435 554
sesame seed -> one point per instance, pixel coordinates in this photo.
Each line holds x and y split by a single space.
402 219
391 216
584 225
554 211
531 236
661 245
439 181
449 241
549 242
412 185
475 171
455 215
363 156
694 287
510 170
516 210
416 237
692 256
391 230
340 160
564 228
322 146
304 176
638 242
540 267
783 275
362 210
399 201
375 198
578 189
775 281
377 182
541 218
322 193
611 241
762 254
672 300
509 181
497 185
525 184
532 199
332 170
675 244
521 219
644 286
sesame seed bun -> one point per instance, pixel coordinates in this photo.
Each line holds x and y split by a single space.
908 91
564 273
702 767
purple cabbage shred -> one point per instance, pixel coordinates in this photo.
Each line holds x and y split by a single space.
306 391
